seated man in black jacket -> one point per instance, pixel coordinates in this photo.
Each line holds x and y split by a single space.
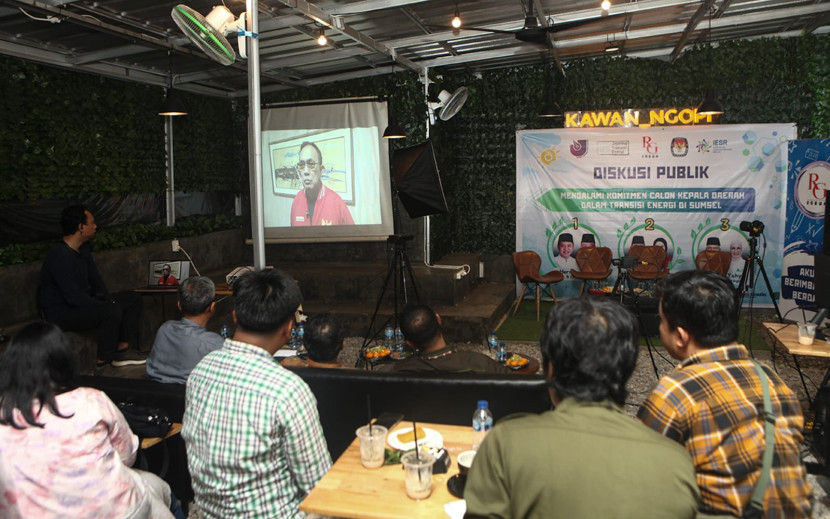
421 328
73 294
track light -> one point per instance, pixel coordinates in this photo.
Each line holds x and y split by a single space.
605 5
321 38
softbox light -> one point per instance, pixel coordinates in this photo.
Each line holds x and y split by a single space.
419 186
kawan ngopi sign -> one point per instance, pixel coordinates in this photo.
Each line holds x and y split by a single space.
633 117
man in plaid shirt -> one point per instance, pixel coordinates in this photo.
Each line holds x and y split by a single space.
712 402
255 447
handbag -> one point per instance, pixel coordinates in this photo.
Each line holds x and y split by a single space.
146 421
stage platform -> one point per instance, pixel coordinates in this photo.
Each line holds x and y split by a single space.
471 307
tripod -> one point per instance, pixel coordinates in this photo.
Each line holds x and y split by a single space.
398 269
748 277
623 281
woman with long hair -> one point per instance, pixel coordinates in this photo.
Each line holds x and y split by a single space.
65 450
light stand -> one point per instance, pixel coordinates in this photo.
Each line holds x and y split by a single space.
623 281
398 269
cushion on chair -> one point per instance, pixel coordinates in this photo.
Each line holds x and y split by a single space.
650 261
594 263
719 261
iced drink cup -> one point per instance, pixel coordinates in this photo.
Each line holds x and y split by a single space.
418 474
372 444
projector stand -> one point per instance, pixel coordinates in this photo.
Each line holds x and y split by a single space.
399 269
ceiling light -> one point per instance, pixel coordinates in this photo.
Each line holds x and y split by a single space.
605 5
710 104
456 21
321 38
394 130
551 108
612 46
172 105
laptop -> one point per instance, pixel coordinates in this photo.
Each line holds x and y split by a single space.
157 268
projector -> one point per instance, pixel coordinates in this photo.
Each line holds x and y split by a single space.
239 271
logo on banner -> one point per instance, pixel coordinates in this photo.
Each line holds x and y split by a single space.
704 146
649 148
810 186
679 147
549 156
579 148
612 147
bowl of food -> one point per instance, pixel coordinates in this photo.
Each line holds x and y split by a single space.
516 361
377 352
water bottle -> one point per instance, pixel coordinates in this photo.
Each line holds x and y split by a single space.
493 341
292 343
501 353
482 423
225 332
301 337
389 336
399 340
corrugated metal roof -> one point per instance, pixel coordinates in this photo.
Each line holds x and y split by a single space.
130 39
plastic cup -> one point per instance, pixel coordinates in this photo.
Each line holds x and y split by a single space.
372 444
418 474
806 333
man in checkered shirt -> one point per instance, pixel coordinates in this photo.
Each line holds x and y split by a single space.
712 403
255 447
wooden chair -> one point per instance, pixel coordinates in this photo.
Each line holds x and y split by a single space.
650 261
594 265
719 261
527 264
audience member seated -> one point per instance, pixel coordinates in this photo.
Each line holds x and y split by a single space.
421 328
180 345
66 451
324 339
713 405
73 294
255 446
587 458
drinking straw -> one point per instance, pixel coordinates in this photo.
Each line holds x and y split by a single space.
417 455
369 409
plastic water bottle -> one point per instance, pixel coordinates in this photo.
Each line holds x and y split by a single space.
501 353
225 332
399 340
389 336
482 423
292 343
493 341
301 337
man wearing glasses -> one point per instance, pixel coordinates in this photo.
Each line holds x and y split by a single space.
316 204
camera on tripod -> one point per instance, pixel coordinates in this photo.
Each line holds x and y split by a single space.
754 228
625 262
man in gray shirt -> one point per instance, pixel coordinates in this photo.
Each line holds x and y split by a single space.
180 345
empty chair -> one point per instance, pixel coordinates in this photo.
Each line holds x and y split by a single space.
594 265
719 261
527 264
650 262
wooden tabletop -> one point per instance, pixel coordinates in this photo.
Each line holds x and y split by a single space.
350 490
146 443
787 336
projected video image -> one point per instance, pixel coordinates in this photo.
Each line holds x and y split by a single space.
329 177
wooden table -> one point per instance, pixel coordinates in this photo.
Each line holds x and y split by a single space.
787 336
350 490
146 443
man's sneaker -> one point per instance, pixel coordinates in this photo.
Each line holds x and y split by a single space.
128 357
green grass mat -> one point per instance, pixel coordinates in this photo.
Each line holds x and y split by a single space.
523 327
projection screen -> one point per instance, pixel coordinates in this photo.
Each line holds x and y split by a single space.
325 171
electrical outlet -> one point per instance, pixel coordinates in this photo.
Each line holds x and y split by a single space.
175 245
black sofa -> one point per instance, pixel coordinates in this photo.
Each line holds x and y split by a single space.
342 402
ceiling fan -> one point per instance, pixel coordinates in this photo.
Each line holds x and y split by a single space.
532 31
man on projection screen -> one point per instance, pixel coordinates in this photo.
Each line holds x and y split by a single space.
315 204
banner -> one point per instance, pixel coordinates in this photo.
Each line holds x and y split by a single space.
684 188
807 179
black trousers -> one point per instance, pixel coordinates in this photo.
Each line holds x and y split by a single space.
117 321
